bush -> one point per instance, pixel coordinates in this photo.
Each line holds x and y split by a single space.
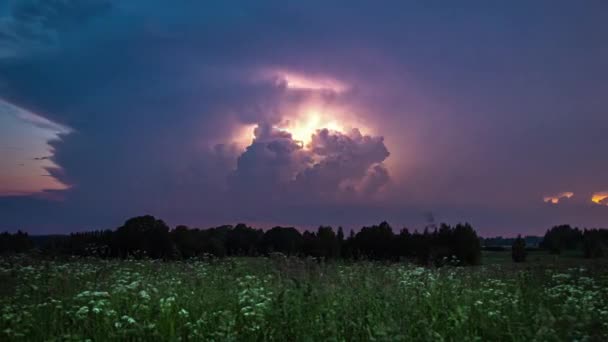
518 250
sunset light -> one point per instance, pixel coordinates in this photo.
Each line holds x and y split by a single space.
26 156
303 170
600 198
556 198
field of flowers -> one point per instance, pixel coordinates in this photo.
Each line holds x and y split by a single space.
283 299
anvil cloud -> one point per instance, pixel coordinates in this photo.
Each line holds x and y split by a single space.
199 112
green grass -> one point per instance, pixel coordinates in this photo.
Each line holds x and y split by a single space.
256 299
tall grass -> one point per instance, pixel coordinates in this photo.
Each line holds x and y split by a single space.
257 299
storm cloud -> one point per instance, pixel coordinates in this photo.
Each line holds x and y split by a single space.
181 111
331 166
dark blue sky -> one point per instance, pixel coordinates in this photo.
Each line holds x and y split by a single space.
202 113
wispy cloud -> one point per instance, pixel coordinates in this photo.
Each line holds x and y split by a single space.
300 81
27 116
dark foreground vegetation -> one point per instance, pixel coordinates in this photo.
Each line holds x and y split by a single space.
146 282
279 298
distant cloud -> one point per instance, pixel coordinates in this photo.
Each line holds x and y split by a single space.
555 199
32 135
298 81
600 198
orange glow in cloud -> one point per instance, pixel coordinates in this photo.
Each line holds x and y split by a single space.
556 198
311 113
303 121
303 126
600 198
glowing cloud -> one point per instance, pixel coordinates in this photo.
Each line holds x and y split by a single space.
333 166
243 135
600 198
304 126
556 198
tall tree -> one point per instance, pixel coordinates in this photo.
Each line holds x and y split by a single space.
518 249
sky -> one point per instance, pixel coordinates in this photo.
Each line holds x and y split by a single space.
304 113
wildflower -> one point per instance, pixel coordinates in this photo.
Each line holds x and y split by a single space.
128 319
144 295
83 311
133 285
166 303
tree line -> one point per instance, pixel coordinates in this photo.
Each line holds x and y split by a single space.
593 242
15 243
146 236
564 238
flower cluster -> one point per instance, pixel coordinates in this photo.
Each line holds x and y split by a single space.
254 300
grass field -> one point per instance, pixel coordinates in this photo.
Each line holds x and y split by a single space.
540 257
255 299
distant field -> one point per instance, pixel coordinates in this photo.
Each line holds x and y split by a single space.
256 299
535 257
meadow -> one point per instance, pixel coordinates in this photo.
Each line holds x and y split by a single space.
295 299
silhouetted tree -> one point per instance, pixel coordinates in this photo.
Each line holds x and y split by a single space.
15 243
340 238
375 242
143 234
94 243
285 240
309 244
442 246
348 248
595 243
421 246
561 238
188 242
403 247
466 244
518 250
243 240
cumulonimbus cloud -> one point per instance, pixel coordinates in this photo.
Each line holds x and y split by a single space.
332 165
145 143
